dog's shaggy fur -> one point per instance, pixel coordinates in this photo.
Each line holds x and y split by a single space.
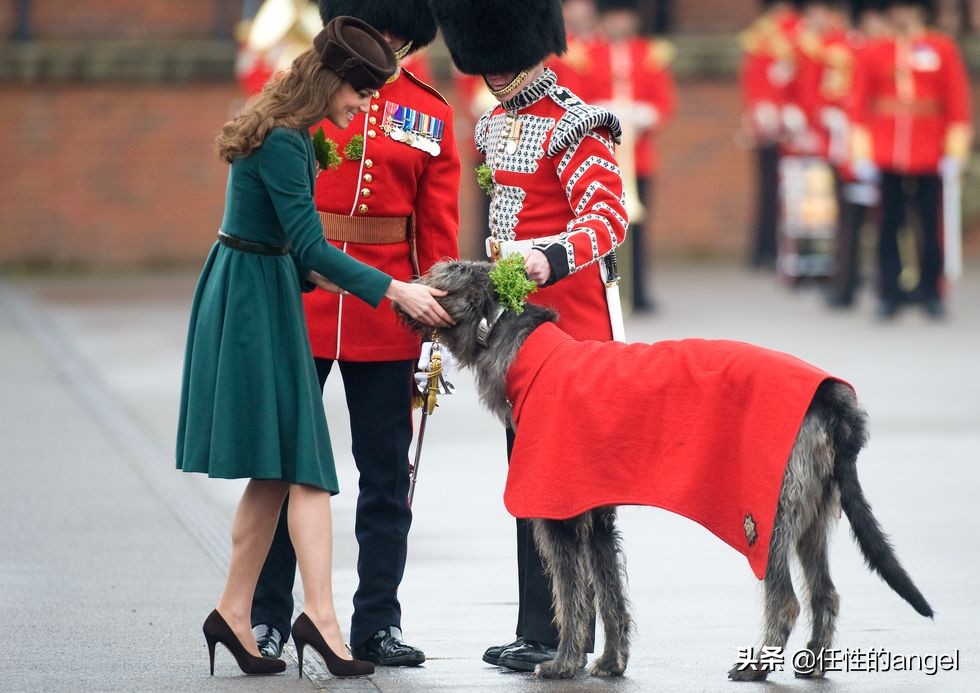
583 555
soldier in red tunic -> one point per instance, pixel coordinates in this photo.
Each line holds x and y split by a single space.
555 197
913 122
574 67
631 77
824 89
388 195
766 77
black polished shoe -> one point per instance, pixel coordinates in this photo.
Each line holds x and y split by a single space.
386 648
526 656
934 308
269 640
887 310
492 655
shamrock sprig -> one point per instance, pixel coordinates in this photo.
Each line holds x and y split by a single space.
354 150
484 178
511 282
325 150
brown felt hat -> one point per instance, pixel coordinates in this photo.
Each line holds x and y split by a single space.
356 52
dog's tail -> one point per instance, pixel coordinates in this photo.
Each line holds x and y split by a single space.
850 433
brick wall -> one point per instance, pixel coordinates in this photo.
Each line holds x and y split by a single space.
60 19
111 175
118 175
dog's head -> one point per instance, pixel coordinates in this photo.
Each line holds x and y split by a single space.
470 298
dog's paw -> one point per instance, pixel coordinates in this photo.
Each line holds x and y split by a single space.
750 672
555 669
608 666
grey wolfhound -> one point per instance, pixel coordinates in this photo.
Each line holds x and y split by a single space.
583 554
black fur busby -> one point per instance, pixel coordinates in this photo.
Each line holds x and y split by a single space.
606 5
860 6
410 19
488 37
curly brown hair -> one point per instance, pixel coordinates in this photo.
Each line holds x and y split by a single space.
298 98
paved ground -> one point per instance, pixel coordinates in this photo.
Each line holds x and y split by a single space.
110 559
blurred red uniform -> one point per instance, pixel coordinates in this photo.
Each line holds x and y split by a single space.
912 122
632 79
769 66
912 103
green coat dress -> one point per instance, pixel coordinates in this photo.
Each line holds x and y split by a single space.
251 405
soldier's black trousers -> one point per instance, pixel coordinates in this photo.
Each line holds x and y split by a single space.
766 206
380 406
535 610
925 191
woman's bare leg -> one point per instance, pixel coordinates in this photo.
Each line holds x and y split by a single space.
251 536
311 530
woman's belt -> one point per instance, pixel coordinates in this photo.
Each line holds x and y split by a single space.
251 246
375 230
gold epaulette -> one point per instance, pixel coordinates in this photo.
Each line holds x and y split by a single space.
754 36
660 53
837 55
810 43
428 87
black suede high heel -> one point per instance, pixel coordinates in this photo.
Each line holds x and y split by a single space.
216 630
305 633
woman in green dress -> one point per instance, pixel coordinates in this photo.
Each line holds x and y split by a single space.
250 403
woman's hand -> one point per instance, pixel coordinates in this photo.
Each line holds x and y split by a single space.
537 267
420 303
322 282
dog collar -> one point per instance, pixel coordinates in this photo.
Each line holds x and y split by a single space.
485 327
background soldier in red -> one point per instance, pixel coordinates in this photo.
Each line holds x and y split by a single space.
631 77
555 197
913 123
825 92
766 75
574 67
388 195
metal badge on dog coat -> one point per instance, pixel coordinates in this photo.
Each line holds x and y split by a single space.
749 526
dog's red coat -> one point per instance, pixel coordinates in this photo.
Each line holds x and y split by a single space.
702 428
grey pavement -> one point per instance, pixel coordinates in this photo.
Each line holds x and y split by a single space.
110 559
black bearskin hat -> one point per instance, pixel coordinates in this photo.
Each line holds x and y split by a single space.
859 6
606 5
487 37
409 19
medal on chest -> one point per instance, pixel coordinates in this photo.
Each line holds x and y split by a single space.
412 127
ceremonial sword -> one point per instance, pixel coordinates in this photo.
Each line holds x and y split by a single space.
428 404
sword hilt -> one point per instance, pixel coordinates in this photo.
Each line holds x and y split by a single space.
612 267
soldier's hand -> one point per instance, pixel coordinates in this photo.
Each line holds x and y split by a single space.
537 267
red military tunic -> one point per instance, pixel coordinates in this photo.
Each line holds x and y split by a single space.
391 179
825 90
768 69
632 79
912 103
558 178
